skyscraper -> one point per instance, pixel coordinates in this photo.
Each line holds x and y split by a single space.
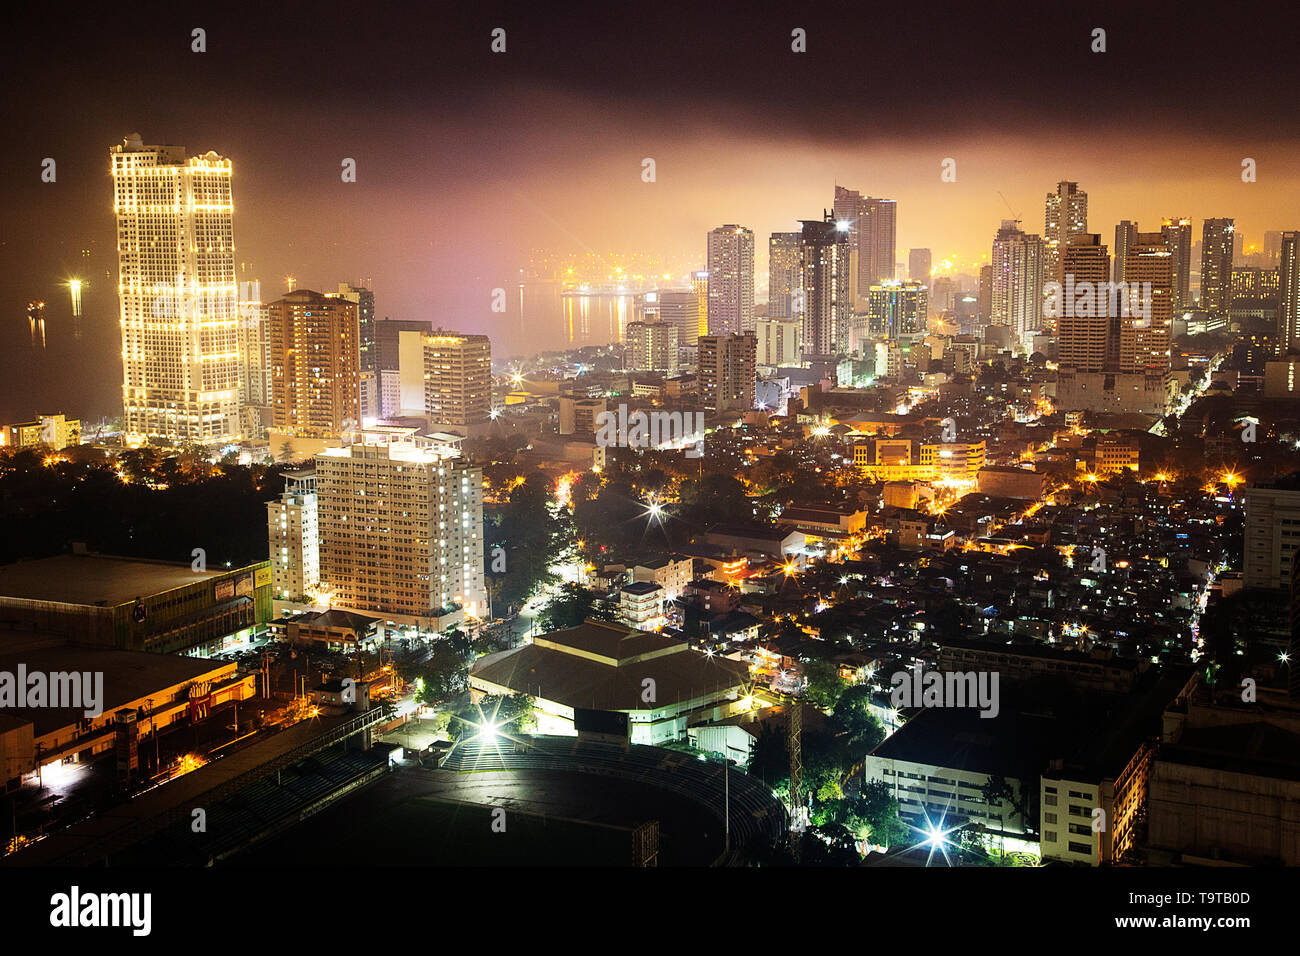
727 371
824 280
401 529
1088 338
1124 234
1065 218
1178 237
365 303
1146 339
782 273
177 292
872 229
457 379
315 365
918 266
731 279
700 286
1017 298
1217 237
1288 305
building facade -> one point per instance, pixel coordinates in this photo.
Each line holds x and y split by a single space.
177 293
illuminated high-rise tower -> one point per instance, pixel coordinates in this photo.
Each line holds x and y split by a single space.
731 279
365 302
872 229
1217 238
1017 294
1178 237
314 363
782 273
1066 218
176 286
1288 304
827 309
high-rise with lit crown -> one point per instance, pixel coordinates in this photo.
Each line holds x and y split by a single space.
401 529
179 308
457 379
731 279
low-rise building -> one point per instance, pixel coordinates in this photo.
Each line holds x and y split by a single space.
590 674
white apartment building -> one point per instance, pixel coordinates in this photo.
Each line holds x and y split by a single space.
293 533
778 342
401 530
672 573
1272 534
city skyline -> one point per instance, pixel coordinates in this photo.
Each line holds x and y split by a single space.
739 156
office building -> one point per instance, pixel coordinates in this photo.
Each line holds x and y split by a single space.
315 365
681 309
401 532
55 431
1124 237
731 280
1272 533
1178 237
1148 268
872 228
1288 294
177 293
918 266
1086 340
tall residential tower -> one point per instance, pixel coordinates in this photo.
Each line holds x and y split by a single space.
179 308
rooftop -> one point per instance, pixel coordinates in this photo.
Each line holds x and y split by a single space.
94 579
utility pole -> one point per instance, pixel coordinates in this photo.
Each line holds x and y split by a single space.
794 739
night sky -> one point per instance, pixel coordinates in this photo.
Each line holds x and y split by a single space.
467 159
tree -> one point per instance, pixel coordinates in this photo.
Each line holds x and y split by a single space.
569 608
824 683
852 714
877 808
444 675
